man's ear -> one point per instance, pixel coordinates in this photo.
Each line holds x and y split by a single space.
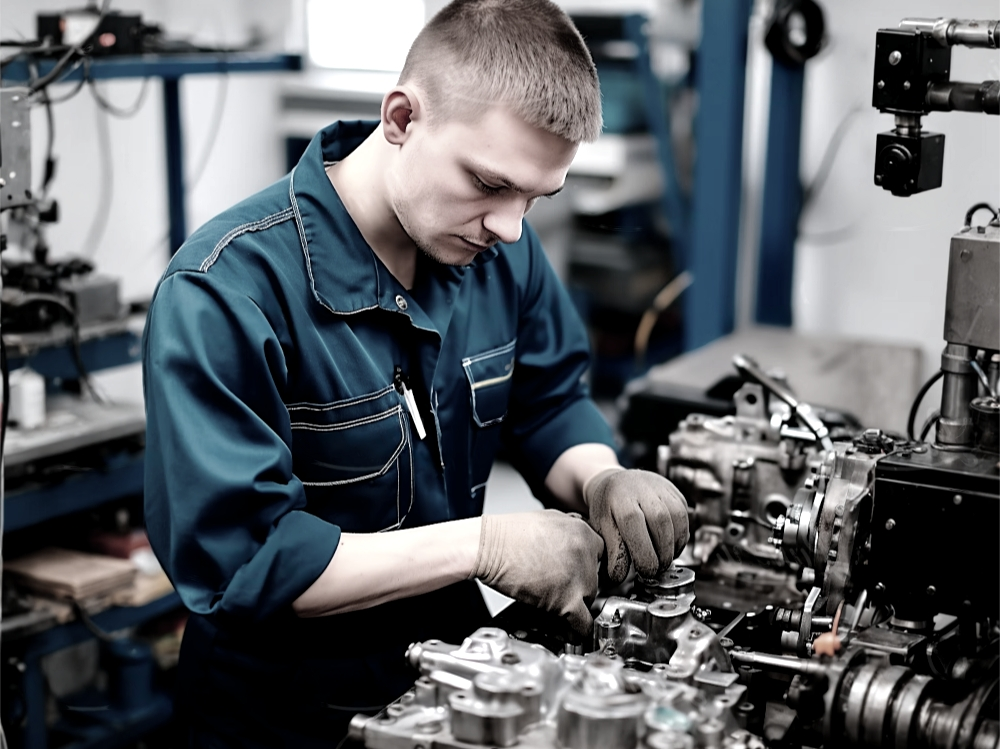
401 108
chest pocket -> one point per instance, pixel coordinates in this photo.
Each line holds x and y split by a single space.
490 375
355 459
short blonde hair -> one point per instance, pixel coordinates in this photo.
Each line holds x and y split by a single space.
524 54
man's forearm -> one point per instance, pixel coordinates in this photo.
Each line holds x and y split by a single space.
571 470
372 568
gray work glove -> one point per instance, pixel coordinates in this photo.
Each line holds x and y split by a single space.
641 516
546 558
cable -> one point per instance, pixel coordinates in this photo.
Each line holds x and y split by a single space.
916 402
74 50
206 152
5 415
75 343
931 421
666 296
213 132
103 212
122 113
982 377
978 206
810 191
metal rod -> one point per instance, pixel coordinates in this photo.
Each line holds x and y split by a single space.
786 663
953 31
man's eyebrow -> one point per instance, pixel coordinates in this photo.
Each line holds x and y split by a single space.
494 176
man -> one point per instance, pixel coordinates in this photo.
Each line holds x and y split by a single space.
331 367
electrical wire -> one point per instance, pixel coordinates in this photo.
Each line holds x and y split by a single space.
931 421
213 133
76 49
663 299
916 402
5 416
982 377
103 212
979 206
811 190
201 165
122 113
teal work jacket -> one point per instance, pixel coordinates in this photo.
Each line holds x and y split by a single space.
277 352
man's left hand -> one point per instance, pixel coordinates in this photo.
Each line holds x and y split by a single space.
642 518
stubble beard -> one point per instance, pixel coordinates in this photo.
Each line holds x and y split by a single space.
423 245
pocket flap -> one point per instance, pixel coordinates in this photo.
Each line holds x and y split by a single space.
347 441
490 374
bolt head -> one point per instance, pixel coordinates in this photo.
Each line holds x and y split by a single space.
880 84
890 524
906 85
880 587
894 57
931 590
957 499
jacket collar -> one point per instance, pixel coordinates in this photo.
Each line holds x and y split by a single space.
345 274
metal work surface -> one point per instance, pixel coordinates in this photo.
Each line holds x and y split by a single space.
873 379
70 425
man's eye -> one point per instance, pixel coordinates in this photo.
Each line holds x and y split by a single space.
485 188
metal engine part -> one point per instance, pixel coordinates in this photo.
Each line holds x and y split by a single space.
740 473
827 525
661 631
495 691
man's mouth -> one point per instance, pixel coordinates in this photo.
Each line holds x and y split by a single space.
477 246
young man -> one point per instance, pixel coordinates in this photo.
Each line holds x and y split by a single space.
331 367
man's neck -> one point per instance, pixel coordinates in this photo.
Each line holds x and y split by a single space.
360 181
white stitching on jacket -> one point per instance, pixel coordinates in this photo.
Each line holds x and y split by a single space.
265 223
334 405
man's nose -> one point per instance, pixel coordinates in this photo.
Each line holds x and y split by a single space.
504 221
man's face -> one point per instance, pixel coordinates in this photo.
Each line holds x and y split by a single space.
460 187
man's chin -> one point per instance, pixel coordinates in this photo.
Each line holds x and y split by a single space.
454 257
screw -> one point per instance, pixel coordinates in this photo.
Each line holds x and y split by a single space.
965 254
879 587
509 659
890 524
906 85
957 499
931 590
895 57
881 84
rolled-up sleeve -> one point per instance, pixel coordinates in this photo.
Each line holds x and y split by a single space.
550 407
224 513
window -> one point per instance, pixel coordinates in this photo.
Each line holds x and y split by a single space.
362 34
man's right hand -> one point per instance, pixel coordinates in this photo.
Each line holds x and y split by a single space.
547 559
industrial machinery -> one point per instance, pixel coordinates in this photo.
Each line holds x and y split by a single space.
842 584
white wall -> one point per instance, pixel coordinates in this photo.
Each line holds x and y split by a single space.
870 264
248 153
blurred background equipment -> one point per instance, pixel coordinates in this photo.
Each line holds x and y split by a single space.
90 625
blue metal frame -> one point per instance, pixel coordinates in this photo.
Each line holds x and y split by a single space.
710 302
170 68
121 477
673 201
63 636
782 197
56 362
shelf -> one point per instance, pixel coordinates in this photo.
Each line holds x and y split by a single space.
169 67
121 477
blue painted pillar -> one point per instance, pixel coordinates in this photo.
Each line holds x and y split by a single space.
175 162
710 302
782 197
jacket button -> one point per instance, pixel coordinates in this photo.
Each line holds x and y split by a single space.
400 302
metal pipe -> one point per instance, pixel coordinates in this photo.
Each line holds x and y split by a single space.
958 388
964 97
953 31
789 664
